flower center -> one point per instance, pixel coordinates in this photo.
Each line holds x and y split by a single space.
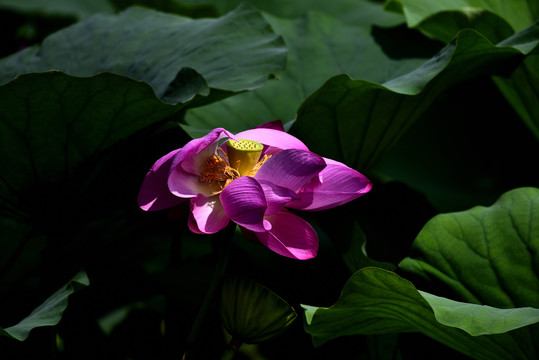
242 159
243 155
217 174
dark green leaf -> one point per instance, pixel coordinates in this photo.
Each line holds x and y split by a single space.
77 9
321 45
236 52
359 121
50 312
377 301
51 122
171 6
445 25
443 19
521 89
485 255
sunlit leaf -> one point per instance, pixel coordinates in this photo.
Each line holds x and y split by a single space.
486 257
480 319
377 301
443 19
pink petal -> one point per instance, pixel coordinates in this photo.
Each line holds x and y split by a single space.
244 202
189 160
196 163
154 193
277 197
291 168
290 236
187 185
207 215
275 124
337 184
272 137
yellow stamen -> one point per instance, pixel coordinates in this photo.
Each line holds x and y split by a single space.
217 174
254 170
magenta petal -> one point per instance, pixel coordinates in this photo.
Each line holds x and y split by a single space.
244 202
194 153
187 185
277 197
196 163
207 215
197 145
290 236
154 193
272 137
291 168
275 124
337 184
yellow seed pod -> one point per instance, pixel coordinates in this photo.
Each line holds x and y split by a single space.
243 154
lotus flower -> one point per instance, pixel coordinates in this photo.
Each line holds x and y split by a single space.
253 179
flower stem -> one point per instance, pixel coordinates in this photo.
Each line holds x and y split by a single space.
224 244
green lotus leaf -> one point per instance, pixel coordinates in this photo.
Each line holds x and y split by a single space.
486 258
443 19
50 312
359 121
76 9
335 38
51 122
233 53
485 255
376 301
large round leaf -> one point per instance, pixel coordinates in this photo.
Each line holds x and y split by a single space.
522 92
486 258
49 312
236 52
52 122
443 19
358 121
377 301
494 19
77 9
486 255
343 39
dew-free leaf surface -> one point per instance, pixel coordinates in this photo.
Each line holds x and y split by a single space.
321 44
486 257
443 19
49 312
236 52
359 121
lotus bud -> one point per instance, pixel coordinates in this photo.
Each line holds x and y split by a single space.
252 313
